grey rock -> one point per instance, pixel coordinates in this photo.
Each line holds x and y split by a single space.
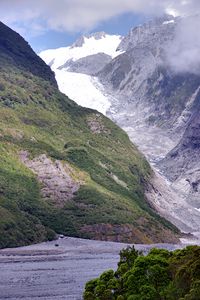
154 31
89 65
159 109
55 177
141 77
46 272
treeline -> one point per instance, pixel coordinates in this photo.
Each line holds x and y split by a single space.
160 275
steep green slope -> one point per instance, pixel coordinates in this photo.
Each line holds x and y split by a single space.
64 168
161 275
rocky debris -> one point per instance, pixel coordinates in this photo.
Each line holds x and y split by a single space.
104 166
47 272
33 139
187 113
182 165
185 156
96 125
127 233
56 177
167 200
188 185
114 232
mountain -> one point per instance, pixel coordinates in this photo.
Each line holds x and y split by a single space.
64 168
16 52
158 108
88 45
78 63
146 86
182 165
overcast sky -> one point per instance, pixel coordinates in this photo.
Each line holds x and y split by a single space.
54 23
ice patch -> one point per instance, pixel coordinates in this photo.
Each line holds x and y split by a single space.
83 89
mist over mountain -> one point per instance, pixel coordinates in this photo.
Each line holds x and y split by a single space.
183 52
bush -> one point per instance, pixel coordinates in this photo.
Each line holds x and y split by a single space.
159 275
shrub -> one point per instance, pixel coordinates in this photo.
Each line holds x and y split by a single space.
161 275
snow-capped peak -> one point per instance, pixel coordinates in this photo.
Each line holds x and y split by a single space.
86 45
97 36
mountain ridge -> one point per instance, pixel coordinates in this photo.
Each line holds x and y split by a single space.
63 168
26 60
151 102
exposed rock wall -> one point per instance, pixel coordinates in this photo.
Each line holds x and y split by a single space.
56 177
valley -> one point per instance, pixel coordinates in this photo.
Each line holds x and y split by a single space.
99 150
156 106
117 164
65 168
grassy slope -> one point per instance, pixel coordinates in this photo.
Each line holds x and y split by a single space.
36 117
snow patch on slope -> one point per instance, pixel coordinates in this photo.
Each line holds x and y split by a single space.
106 44
83 89
168 22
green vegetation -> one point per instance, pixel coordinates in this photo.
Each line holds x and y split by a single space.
161 275
35 117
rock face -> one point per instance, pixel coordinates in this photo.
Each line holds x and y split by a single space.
149 92
55 177
110 232
182 164
149 34
139 80
160 111
172 202
89 65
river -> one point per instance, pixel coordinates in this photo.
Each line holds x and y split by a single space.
59 269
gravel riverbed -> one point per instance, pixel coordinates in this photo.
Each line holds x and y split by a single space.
45 271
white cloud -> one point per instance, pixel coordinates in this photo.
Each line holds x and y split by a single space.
75 15
184 52
33 17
